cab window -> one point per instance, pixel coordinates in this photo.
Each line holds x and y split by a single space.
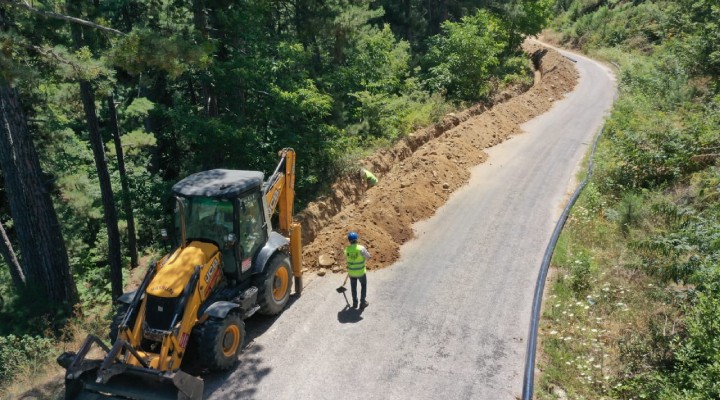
252 229
208 219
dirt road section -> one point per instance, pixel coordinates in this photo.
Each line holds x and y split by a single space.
420 172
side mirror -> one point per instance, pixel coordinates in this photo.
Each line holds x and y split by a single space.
230 240
167 241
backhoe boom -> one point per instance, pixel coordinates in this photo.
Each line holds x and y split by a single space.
279 192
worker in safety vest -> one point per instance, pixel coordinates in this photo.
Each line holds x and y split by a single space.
356 255
371 179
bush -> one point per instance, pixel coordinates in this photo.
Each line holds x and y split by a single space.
23 353
580 274
630 212
460 60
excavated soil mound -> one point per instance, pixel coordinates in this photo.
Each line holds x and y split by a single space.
419 173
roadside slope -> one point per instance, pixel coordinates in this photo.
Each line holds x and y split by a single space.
419 173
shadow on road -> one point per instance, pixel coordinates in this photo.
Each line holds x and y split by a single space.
349 315
249 368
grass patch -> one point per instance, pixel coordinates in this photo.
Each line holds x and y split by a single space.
596 308
633 307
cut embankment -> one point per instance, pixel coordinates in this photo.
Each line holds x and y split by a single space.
418 174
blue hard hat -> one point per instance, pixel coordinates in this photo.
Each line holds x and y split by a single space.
353 236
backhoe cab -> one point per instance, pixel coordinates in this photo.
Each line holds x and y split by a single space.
187 315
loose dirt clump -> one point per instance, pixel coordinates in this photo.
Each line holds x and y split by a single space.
418 174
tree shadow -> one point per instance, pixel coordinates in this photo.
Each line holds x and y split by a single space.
249 370
52 390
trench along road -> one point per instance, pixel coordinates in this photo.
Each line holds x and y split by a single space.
450 319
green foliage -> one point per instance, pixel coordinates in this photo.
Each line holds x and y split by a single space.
696 21
688 27
657 181
632 26
630 211
143 49
580 275
391 117
526 18
139 108
693 371
516 69
464 56
699 356
378 63
659 134
24 353
27 311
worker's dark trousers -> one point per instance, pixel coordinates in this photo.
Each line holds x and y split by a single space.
363 287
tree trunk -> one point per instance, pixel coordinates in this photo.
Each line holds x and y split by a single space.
108 200
127 204
210 105
98 149
6 248
43 255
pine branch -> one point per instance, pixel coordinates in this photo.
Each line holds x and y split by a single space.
51 54
49 14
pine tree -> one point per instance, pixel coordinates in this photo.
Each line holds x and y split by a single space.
98 147
44 257
126 201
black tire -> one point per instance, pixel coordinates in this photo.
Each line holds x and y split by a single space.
117 319
217 343
275 289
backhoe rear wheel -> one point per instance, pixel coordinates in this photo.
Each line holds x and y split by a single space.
275 290
218 342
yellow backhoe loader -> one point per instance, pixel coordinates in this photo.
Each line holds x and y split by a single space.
187 315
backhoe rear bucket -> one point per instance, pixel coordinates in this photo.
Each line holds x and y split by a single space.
90 379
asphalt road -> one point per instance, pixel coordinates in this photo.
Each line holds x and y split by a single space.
450 319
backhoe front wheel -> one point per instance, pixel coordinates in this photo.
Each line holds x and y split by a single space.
275 290
117 319
219 342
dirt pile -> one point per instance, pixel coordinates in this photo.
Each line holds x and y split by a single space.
420 172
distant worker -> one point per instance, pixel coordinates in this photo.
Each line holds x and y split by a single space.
371 179
356 255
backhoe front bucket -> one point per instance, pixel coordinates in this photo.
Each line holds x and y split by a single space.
109 378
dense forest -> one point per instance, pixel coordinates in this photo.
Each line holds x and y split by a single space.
634 309
106 104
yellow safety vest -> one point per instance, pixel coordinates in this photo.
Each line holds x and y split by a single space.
355 261
370 177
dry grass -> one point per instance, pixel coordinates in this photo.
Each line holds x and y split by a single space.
45 384
44 379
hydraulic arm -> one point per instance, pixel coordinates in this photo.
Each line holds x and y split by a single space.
279 193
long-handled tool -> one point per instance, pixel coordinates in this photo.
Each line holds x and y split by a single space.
342 289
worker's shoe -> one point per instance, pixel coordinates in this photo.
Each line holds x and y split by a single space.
354 304
364 304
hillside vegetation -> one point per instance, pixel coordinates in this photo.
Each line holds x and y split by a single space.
634 308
